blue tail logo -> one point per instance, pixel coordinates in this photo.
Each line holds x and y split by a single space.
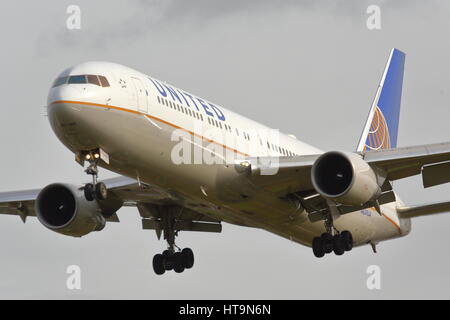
381 129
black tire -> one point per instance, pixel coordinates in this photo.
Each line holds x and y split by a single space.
317 246
347 240
338 247
168 260
188 258
89 192
178 265
158 264
101 192
327 240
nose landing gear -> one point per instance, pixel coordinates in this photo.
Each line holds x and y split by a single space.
95 190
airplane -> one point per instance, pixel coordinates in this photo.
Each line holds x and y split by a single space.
188 164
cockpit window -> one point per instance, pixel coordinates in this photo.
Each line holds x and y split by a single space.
81 79
93 79
77 79
103 81
60 81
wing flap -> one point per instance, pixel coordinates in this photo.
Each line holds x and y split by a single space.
433 175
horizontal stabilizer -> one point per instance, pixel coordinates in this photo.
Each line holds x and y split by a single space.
423 210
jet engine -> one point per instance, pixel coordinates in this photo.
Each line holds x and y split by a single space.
345 178
63 208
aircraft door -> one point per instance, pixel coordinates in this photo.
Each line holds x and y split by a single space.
141 95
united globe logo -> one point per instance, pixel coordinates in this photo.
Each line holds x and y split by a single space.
378 137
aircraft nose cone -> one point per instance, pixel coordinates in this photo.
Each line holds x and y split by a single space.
73 124
57 106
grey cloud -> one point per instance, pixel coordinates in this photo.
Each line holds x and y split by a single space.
141 19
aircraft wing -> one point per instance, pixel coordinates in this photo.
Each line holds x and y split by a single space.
131 193
291 176
21 203
294 173
432 161
283 174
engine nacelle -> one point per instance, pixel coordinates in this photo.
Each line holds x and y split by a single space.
63 208
345 178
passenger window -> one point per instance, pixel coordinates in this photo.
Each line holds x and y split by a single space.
93 79
104 81
77 79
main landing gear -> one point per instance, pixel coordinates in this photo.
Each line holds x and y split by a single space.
327 243
332 240
95 190
169 260
173 258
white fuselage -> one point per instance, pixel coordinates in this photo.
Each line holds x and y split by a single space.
146 126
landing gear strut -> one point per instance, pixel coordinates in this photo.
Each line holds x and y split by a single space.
173 258
332 240
95 190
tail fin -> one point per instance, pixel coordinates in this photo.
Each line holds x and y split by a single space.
381 129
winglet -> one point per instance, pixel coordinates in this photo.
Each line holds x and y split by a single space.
381 129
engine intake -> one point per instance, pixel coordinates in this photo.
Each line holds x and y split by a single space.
62 208
345 178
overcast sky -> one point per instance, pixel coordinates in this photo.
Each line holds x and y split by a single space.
306 67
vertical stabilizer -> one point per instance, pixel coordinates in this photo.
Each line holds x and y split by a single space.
381 129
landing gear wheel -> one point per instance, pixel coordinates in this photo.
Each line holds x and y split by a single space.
178 265
89 192
188 258
347 240
327 240
168 260
318 247
101 192
338 246
158 264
